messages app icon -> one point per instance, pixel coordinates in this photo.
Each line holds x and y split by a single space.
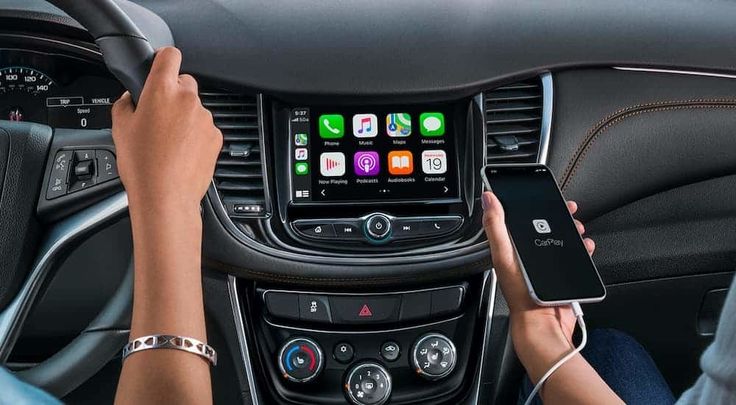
432 124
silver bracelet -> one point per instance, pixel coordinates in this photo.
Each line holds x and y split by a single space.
187 344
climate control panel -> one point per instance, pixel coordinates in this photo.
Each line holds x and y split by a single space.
376 228
369 348
368 381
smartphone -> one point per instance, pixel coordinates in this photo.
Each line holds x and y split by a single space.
556 266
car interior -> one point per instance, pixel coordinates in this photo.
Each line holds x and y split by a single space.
343 227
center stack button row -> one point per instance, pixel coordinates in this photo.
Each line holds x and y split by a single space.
363 309
392 228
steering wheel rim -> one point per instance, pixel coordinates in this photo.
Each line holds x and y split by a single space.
128 55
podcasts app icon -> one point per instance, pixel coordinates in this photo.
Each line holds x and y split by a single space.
366 163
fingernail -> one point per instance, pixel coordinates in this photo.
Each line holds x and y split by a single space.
485 200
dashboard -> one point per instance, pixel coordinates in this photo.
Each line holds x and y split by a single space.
344 208
55 89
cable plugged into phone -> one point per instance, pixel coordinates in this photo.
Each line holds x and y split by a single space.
578 312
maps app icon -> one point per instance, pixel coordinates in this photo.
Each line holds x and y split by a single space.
398 124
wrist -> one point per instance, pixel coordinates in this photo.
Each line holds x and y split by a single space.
156 209
539 343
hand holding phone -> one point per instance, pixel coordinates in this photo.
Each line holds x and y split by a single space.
552 257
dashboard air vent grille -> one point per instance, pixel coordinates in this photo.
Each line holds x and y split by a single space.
513 117
239 172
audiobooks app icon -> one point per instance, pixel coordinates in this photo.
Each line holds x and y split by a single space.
400 162
332 164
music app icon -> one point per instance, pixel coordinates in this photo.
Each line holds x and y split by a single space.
365 125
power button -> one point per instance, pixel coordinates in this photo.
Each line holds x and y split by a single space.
378 227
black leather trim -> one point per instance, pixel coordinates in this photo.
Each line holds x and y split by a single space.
650 148
621 136
23 148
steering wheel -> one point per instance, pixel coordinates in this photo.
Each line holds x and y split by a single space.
23 156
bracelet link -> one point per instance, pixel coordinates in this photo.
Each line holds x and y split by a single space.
184 343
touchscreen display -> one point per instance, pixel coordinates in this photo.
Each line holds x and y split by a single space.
372 154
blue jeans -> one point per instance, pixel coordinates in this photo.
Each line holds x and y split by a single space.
624 365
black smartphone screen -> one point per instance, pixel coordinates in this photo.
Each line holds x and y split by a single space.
555 261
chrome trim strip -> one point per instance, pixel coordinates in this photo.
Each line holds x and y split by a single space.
546 124
242 338
480 102
57 243
487 331
676 72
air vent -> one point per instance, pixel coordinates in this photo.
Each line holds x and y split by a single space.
513 122
239 172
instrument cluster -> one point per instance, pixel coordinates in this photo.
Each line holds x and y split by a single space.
57 90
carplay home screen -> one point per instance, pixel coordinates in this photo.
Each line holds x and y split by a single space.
373 154
554 257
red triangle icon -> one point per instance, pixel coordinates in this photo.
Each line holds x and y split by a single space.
365 311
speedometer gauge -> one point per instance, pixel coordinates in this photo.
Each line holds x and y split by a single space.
23 93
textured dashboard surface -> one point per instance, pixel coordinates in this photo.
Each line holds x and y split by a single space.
389 47
414 46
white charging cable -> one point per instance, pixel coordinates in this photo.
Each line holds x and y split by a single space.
578 312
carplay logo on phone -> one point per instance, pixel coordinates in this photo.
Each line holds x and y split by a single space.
541 226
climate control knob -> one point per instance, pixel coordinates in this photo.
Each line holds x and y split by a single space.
300 360
434 356
368 383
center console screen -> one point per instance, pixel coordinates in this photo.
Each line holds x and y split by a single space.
372 154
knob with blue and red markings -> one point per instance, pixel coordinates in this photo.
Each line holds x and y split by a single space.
300 360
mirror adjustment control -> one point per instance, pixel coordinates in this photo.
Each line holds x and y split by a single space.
434 356
368 384
300 360
378 227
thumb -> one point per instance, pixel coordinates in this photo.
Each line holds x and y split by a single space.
502 250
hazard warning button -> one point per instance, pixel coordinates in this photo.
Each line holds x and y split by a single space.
356 309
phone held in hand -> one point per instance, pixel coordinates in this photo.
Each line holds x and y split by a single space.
556 265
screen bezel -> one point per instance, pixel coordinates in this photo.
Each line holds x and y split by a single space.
457 112
553 301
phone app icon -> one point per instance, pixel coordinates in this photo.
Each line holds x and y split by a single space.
541 226
332 164
432 124
301 153
366 163
400 162
434 161
331 126
365 125
301 139
398 124
301 168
